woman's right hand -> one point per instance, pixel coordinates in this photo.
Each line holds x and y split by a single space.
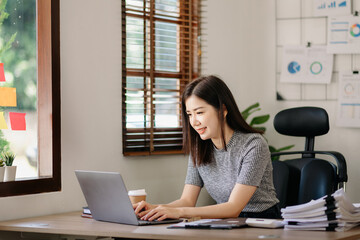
142 208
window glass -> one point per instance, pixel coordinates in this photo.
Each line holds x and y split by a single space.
166 45
134 43
166 100
20 71
135 103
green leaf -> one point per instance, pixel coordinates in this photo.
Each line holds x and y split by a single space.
285 148
3 15
8 158
262 129
255 105
250 110
4 144
260 119
3 4
272 149
8 44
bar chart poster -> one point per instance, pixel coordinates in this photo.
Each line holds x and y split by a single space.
302 64
348 109
331 7
343 35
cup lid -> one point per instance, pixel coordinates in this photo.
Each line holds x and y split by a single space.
139 192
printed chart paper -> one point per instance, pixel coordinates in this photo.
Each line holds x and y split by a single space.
331 7
348 110
343 34
306 65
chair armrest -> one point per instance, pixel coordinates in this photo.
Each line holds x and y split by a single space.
340 160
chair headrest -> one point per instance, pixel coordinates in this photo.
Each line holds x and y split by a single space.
302 122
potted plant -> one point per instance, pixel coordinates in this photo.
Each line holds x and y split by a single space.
2 169
10 170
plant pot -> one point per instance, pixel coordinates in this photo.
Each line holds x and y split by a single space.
10 173
2 173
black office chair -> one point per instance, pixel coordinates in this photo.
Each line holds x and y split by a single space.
307 177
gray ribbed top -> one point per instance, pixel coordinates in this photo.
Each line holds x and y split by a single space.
246 161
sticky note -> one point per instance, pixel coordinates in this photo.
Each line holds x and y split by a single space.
17 121
2 73
7 97
2 121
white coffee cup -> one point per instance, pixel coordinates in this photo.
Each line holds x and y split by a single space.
137 195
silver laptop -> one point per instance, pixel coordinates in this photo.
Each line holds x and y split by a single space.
108 199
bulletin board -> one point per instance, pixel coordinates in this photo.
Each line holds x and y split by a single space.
297 25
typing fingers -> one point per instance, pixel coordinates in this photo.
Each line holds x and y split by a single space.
156 216
148 214
143 213
135 205
151 215
163 217
140 206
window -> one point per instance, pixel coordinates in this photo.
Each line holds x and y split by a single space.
161 54
46 60
18 56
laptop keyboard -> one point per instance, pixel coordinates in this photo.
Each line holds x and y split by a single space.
165 221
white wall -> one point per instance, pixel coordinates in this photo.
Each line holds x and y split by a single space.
91 116
240 48
243 54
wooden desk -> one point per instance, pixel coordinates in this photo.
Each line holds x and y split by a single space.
73 224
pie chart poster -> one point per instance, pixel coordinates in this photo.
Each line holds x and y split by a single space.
344 35
306 65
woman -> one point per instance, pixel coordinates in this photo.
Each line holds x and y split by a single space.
227 156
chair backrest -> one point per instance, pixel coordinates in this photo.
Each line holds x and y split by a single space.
299 180
305 122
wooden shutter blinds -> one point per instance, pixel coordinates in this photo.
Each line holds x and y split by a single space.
160 55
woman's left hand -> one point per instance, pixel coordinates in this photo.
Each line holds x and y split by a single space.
160 213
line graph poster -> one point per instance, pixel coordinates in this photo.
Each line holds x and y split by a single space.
306 65
331 7
348 109
343 34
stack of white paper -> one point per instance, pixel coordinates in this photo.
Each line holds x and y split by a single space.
329 213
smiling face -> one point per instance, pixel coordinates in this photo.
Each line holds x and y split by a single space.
204 118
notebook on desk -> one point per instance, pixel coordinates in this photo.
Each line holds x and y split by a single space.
108 199
228 223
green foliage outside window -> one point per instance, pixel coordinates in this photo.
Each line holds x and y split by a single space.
19 57
4 144
4 15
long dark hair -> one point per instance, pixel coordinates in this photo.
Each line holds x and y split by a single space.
214 91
